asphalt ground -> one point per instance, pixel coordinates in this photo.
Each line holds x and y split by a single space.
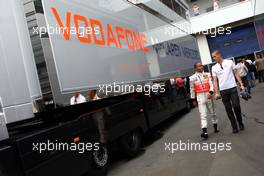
229 154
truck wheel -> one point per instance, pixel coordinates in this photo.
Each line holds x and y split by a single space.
130 143
100 158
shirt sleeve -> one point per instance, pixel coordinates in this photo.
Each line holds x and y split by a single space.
257 64
234 67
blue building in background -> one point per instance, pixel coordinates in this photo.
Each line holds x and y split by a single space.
242 41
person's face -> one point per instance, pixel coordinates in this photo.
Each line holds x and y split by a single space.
77 94
199 68
92 94
217 56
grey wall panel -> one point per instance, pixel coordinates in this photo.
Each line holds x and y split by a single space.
26 50
18 112
14 90
58 97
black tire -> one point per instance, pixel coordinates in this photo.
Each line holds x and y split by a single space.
188 106
130 143
100 159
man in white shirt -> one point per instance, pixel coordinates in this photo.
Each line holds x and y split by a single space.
243 71
77 99
242 68
224 73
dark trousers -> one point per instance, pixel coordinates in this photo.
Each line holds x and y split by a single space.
246 83
261 76
231 101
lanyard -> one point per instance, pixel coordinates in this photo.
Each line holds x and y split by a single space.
201 80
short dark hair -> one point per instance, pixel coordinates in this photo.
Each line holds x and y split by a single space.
217 51
195 64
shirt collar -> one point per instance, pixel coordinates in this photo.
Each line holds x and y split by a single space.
198 73
222 63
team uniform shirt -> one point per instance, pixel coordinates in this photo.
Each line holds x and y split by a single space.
78 100
200 83
225 74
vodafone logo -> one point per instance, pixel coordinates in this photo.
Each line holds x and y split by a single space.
102 34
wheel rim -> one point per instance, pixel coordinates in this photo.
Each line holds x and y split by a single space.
101 156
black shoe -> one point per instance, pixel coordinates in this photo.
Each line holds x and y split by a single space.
204 134
241 127
215 128
235 130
